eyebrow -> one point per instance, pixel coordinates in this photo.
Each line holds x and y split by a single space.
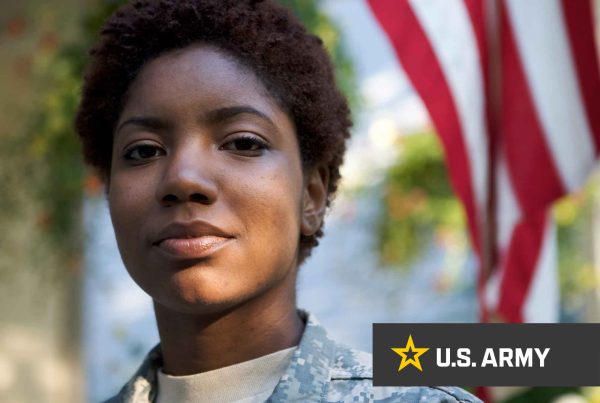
144 121
213 116
229 112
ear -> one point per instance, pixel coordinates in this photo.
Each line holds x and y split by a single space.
314 199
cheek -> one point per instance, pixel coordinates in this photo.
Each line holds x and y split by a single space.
272 203
127 202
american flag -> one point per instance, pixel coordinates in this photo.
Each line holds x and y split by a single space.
513 90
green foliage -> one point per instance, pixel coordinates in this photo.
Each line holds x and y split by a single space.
53 146
52 143
574 216
420 208
419 205
321 25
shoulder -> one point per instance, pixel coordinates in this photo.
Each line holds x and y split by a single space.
323 370
351 378
141 388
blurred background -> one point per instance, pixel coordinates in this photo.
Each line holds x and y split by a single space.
74 327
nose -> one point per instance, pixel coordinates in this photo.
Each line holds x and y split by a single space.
188 177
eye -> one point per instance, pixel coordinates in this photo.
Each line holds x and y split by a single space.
143 152
246 145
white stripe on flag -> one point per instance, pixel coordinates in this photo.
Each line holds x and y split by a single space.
551 75
507 215
449 30
541 304
507 208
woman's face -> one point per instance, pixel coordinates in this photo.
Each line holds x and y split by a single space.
206 189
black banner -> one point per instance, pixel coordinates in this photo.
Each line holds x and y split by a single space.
486 354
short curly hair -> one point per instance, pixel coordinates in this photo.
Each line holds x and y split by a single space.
262 35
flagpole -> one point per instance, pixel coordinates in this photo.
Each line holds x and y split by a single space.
493 112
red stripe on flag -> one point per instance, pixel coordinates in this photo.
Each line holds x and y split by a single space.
532 171
521 263
476 11
423 69
578 16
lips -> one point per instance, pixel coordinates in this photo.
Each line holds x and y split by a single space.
191 240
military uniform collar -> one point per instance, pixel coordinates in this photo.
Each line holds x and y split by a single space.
305 378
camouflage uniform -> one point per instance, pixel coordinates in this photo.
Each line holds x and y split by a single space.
320 371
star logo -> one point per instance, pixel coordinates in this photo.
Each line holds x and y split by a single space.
414 352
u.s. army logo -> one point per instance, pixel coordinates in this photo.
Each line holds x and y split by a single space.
415 353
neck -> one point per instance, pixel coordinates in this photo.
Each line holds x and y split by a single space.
192 343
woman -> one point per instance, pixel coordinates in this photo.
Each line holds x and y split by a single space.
219 132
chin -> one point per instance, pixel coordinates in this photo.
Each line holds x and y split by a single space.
197 307
199 297
194 301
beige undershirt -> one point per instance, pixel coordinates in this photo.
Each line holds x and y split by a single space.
247 382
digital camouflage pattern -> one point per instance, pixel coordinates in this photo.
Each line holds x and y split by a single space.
321 370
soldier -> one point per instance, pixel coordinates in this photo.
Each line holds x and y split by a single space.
219 132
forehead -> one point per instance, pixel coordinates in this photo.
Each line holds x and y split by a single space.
202 75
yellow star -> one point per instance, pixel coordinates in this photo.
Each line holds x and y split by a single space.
410 347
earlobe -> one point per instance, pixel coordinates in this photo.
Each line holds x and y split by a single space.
314 200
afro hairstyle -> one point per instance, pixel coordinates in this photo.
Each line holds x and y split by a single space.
262 35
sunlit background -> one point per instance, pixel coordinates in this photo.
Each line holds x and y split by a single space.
74 327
